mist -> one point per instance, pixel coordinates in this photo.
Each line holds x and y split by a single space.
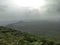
10 12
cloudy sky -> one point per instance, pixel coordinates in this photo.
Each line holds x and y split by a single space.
29 9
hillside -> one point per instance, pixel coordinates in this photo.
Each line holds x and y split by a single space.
10 36
45 28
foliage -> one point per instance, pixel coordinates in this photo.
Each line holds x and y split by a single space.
10 36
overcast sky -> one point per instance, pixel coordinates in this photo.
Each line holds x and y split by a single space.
20 10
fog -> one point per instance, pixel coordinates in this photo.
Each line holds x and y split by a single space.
10 12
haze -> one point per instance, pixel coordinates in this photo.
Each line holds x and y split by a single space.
29 10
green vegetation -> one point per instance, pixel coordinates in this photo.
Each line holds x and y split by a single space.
10 36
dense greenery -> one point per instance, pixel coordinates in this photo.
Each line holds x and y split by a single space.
10 36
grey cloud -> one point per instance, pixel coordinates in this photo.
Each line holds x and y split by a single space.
8 12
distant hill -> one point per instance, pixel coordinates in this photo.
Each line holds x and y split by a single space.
4 23
45 28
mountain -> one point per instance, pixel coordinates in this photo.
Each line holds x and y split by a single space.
45 28
10 36
6 22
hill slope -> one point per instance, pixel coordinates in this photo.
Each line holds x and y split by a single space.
45 28
10 36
